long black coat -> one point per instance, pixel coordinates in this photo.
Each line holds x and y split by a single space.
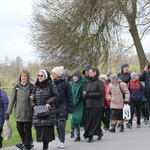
48 94
94 93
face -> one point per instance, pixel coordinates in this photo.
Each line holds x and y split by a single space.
113 80
24 78
125 69
91 73
41 76
86 72
75 79
55 76
103 80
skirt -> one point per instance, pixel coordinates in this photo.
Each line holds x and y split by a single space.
117 114
92 121
45 133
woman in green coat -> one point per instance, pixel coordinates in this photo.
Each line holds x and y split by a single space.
77 115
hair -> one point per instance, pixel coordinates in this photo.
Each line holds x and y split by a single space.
24 71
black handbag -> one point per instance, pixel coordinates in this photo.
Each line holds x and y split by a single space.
41 112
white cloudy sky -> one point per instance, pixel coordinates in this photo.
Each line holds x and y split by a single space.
14 29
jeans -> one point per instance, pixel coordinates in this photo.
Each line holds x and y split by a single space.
61 129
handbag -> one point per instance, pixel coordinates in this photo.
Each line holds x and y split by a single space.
41 112
7 130
126 112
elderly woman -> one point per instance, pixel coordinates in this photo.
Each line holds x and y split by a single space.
44 93
118 94
93 93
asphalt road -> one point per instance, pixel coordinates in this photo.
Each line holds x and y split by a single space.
130 139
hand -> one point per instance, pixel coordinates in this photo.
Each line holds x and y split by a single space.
84 92
7 117
47 106
31 97
126 102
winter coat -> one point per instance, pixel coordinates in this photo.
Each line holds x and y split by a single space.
78 101
136 90
145 76
115 94
3 107
107 102
125 77
65 99
20 102
94 92
47 94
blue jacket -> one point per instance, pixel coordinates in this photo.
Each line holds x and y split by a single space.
65 100
3 107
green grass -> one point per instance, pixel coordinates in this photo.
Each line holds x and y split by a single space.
15 136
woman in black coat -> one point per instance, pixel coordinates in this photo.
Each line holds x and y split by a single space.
93 93
44 93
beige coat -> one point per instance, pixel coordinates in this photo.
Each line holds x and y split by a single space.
115 95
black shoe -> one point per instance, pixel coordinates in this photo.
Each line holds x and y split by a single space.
72 135
90 140
77 139
31 144
20 145
119 125
100 136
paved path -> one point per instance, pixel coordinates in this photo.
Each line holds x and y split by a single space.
130 139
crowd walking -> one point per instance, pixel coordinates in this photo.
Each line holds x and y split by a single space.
93 102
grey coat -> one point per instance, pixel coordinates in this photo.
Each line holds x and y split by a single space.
21 103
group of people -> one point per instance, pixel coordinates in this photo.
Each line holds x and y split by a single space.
83 95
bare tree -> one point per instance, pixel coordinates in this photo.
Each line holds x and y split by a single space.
75 32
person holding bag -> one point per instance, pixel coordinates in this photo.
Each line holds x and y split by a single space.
20 100
3 114
44 93
118 95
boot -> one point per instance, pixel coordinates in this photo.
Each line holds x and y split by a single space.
100 136
45 145
77 139
113 126
121 128
90 140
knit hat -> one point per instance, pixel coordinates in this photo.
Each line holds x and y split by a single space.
47 74
76 72
67 73
148 66
114 76
86 67
103 76
108 73
133 75
58 70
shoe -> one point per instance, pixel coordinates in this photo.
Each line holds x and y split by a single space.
146 122
138 126
119 125
121 128
61 145
129 126
90 140
77 139
31 144
20 145
100 136
113 126
72 135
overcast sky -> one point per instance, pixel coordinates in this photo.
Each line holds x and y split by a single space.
14 29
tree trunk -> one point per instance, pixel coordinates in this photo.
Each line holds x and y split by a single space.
138 45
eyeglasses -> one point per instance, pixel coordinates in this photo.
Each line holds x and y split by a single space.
40 75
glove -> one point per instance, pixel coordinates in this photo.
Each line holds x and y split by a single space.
126 102
7 117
